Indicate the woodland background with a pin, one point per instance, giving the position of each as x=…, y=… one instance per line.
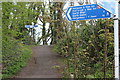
x=88, y=46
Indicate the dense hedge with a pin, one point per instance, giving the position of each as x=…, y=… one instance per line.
x=84, y=48
x=14, y=56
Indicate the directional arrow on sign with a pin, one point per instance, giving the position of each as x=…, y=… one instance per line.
x=85, y=12
x=68, y=14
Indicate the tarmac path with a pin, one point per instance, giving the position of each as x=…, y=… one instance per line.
x=42, y=64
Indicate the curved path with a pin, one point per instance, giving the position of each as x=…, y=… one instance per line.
x=43, y=64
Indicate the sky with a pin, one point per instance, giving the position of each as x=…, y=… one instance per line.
x=39, y=28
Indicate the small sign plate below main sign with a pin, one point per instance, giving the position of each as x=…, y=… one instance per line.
x=86, y=12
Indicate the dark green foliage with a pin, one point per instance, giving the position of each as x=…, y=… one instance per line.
x=84, y=46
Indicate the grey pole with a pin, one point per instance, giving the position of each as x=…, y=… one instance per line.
x=116, y=43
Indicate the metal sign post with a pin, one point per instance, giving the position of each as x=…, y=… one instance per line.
x=116, y=43
x=112, y=6
x=119, y=10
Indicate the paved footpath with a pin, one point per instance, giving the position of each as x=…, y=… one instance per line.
x=42, y=64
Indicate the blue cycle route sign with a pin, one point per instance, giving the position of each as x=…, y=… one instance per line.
x=86, y=12
x=27, y=26
x=30, y=26
x=108, y=5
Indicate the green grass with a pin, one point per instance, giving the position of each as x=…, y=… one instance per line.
x=15, y=63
